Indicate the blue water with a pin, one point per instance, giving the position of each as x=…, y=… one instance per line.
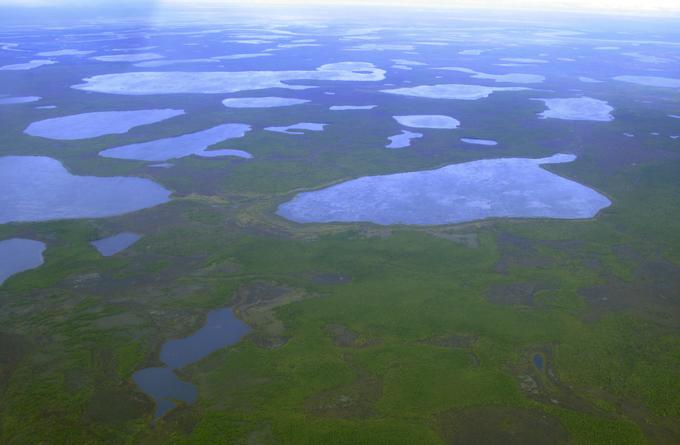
x=468, y=191
x=538, y=361
x=221, y=329
x=165, y=388
x=116, y=243
x=18, y=255
x=38, y=188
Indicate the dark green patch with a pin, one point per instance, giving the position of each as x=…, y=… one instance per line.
x=499, y=425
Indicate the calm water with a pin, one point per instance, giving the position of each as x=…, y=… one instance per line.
x=179, y=146
x=403, y=140
x=91, y=125
x=506, y=187
x=116, y=243
x=18, y=255
x=221, y=329
x=38, y=188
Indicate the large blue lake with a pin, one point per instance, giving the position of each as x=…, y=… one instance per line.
x=38, y=188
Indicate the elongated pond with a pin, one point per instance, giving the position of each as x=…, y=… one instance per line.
x=90, y=125
x=221, y=329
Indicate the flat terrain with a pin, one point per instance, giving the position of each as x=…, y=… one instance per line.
x=498, y=330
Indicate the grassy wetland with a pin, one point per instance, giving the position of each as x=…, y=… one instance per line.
x=500, y=330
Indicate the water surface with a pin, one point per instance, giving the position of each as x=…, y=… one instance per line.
x=18, y=100
x=38, y=188
x=538, y=361
x=297, y=128
x=18, y=255
x=505, y=187
x=166, y=82
x=33, y=64
x=90, y=125
x=221, y=329
x=116, y=243
x=577, y=109
x=450, y=91
x=262, y=102
x=403, y=140
x=351, y=107
x=180, y=146
x=428, y=121
x=476, y=141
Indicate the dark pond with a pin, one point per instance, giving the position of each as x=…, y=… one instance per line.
x=538, y=361
x=221, y=329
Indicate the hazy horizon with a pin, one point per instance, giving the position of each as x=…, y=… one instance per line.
x=634, y=7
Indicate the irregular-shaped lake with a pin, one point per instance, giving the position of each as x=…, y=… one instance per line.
x=506, y=187
x=221, y=329
x=451, y=91
x=351, y=107
x=18, y=255
x=262, y=102
x=502, y=78
x=64, y=52
x=578, y=109
x=523, y=60
x=19, y=100
x=33, y=64
x=297, y=128
x=174, y=82
x=475, y=141
x=651, y=81
x=37, y=188
x=403, y=140
x=428, y=121
x=181, y=146
x=139, y=57
x=116, y=243
x=90, y=125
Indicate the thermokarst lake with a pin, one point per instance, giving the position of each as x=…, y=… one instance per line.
x=579, y=108
x=18, y=255
x=38, y=188
x=90, y=125
x=18, y=100
x=474, y=141
x=180, y=146
x=451, y=91
x=116, y=243
x=506, y=187
x=139, y=83
x=403, y=139
x=297, y=128
x=221, y=329
x=428, y=121
x=262, y=102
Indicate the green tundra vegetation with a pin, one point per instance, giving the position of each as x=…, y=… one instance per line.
x=497, y=331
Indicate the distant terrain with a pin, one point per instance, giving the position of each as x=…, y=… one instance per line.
x=307, y=228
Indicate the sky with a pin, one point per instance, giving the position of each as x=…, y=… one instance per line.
x=617, y=6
